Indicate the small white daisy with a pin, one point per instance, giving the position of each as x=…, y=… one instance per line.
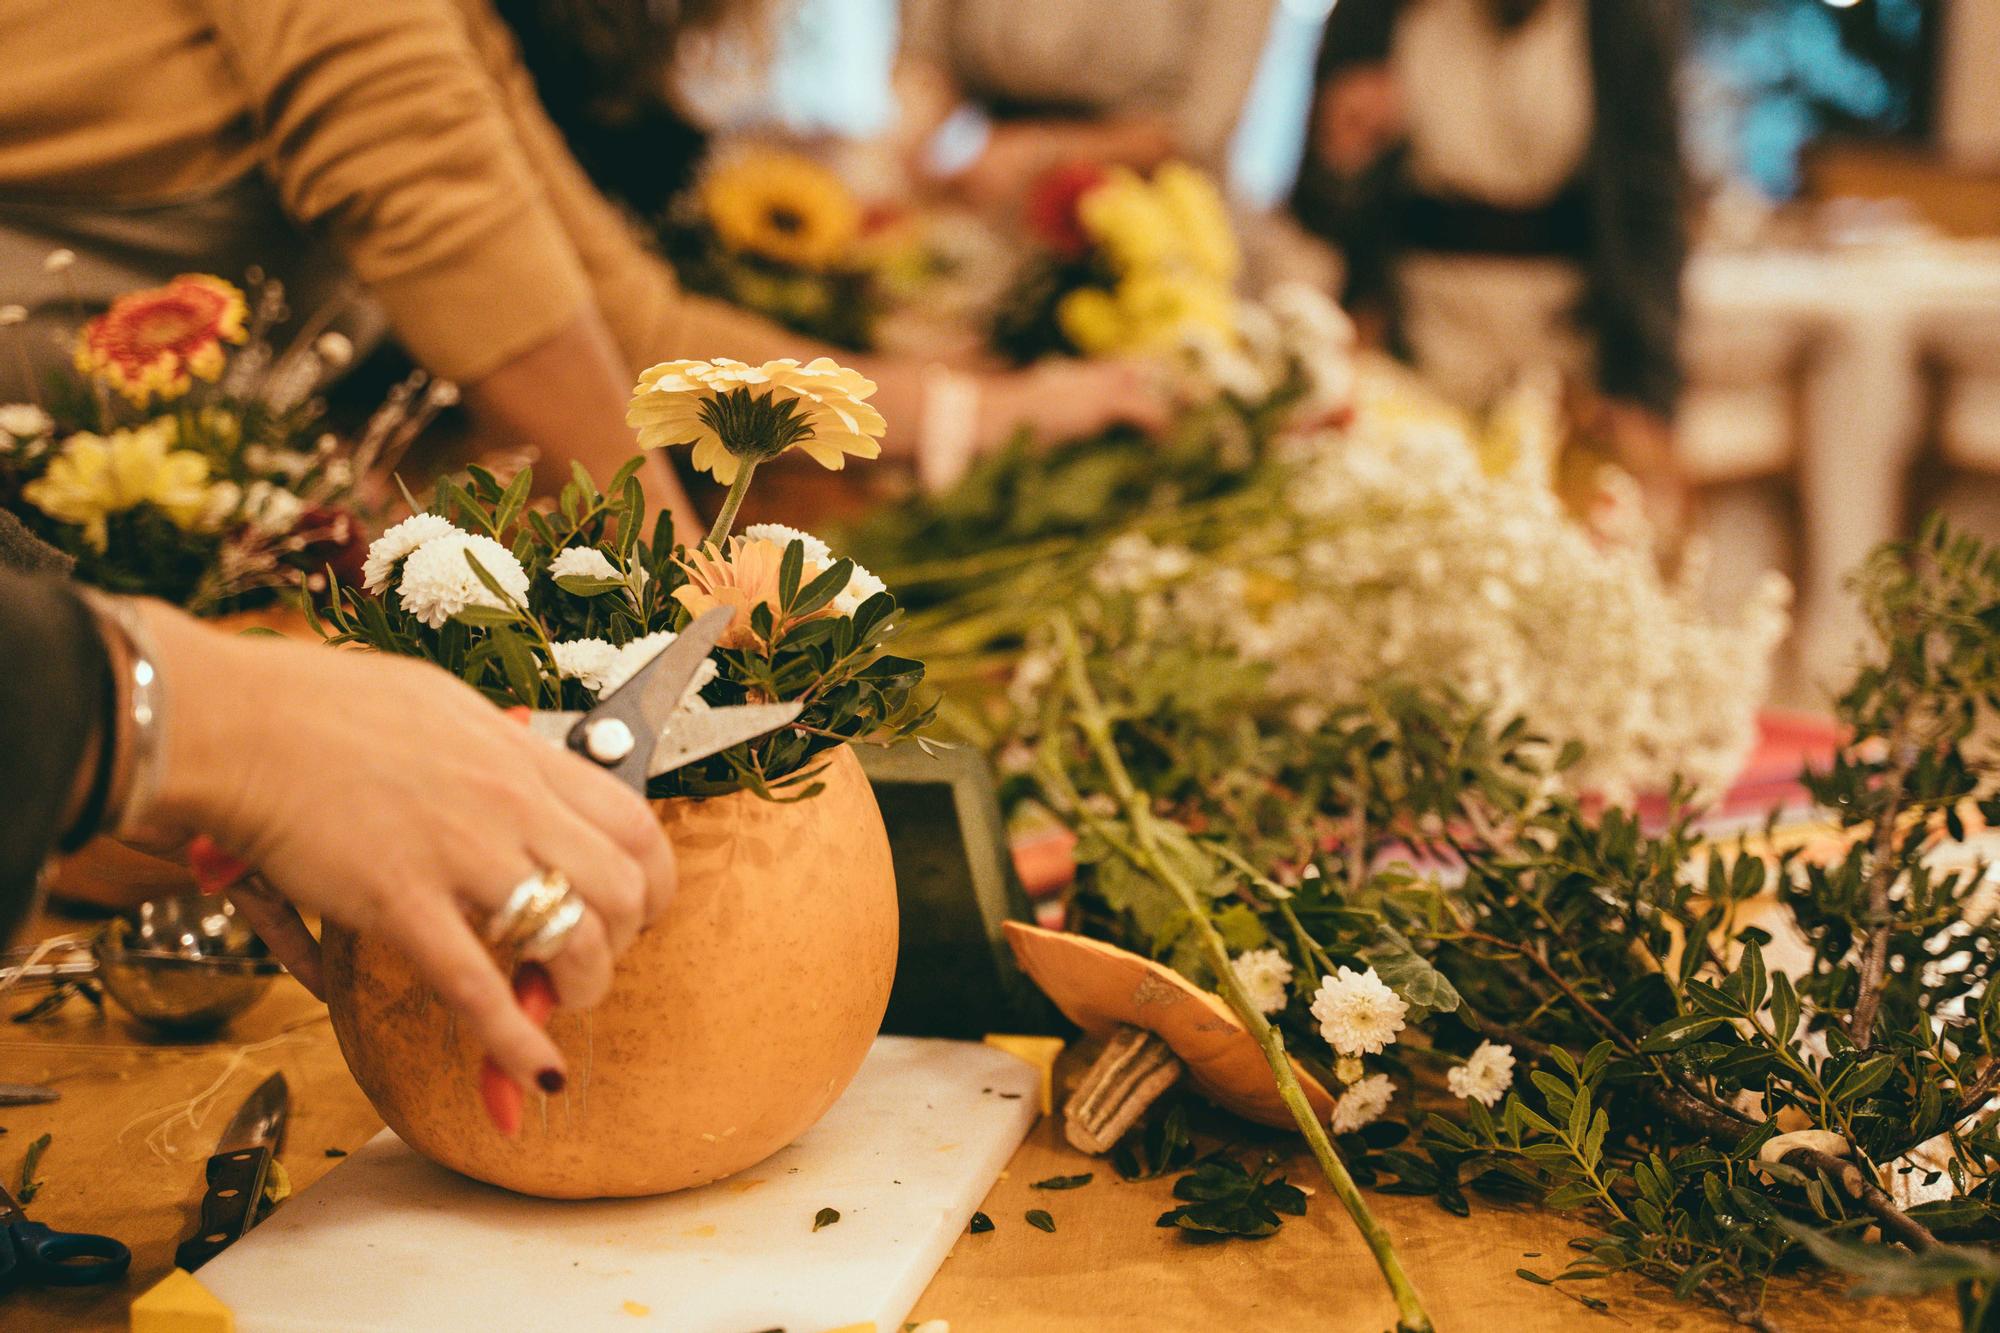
x=860, y=587
x=438, y=581
x=1264, y=975
x=582, y=562
x=397, y=542
x=1485, y=1076
x=585, y=661
x=816, y=552
x=1363, y=1103
x=24, y=421
x=1357, y=1013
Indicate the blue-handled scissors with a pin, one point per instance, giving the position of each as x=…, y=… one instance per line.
x=32, y=1255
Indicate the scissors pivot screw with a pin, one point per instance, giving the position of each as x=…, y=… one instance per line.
x=608, y=740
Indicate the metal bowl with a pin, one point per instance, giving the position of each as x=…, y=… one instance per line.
x=184, y=965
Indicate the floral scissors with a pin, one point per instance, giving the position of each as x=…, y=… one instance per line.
x=32, y=1255
x=640, y=730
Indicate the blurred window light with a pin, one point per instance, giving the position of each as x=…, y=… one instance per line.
x=1271, y=136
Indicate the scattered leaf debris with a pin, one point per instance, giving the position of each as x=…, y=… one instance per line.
x=336, y=1152
x=30, y=1184
x=1040, y=1219
x=1064, y=1182
x=981, y=1224
x=825, y=1217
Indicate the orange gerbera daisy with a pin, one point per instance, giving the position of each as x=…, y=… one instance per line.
x=160, y=341
x=744, y=578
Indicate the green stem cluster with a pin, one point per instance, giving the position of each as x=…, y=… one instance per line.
x=1096, y=728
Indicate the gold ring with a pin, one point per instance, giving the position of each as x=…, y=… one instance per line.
x=547, y=942
x=528, y=908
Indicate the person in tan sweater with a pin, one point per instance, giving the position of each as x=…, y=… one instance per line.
x=400, y=142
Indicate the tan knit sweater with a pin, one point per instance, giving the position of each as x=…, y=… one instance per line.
x=406, y=132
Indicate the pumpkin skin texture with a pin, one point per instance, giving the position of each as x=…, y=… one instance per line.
x=733, y=1024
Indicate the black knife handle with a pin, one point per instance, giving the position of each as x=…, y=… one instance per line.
x=235, y=1187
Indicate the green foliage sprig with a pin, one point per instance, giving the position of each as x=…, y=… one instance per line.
x=799, y=647
x=1675, y=1005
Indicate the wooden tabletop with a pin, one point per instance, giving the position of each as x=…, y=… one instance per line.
x=130, y=1134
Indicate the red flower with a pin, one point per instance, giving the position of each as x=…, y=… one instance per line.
x=160, y=340
x=1051, y=207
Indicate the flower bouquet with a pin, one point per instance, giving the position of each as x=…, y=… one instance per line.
x=752, y=1003
x=1127, y=265
x=776, y=232
x=186, y=459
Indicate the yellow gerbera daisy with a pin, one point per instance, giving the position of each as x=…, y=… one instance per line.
x=822, y=402
x=783, y=207
x=96, y=476
x=160, y=340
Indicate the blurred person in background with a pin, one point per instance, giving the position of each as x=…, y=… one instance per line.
x=994, y=93
x=1505, y=181
x=402, y=142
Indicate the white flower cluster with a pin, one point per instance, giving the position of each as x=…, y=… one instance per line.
x=437, y=580
x=1401, y=558
x=1362, y=1103
x=1295, y=332
x=25, y=427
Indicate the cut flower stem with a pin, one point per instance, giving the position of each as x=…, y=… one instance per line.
x=1148, y=857
x=732, y=502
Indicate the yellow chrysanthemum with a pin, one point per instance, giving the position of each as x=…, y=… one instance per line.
x=783, y=207
x=682, y=402
x=160, y=340
x=1201, y=220
x=1130, y=221
x=1151, y=311
x=96, y=476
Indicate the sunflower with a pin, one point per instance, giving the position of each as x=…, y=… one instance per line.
x=160, y=341
x=782, y=207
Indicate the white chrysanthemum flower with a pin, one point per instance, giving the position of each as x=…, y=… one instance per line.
x=1358, y=1014
x=1363, y=1103
x=219, y=507
x=860, y=587
x=584, y=661
x=582, y=562
x=1263, y=974
x=24, y=421
x=385, y=551
x=438, y=581
x=1485, y=1076
x=816, y=552
x=628, y=659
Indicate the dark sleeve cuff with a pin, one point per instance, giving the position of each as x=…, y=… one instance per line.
x=53, y=695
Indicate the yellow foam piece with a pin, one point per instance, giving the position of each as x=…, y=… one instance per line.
x=1041, y=1052
x=178, y=1303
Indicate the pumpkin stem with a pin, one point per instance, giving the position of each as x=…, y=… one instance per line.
x=1132, y=1073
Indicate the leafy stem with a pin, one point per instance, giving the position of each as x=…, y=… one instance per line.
x=1096, y=728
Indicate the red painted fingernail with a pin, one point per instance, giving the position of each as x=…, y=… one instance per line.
x=550, y=1080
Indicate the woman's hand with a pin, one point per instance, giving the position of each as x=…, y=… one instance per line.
x=390, y=797
x=1357, y=116
x=1063, y=399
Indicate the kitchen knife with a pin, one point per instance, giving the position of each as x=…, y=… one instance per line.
x=236, y=1173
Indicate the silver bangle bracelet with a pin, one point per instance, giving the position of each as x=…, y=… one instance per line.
x=142, y=696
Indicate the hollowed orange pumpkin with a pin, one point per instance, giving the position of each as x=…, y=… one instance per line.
x=736, y=1020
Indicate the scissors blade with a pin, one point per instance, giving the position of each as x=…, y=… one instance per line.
x=662, y=683
x=691, y=736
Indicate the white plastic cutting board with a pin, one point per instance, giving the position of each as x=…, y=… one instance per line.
x=389, y=1241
